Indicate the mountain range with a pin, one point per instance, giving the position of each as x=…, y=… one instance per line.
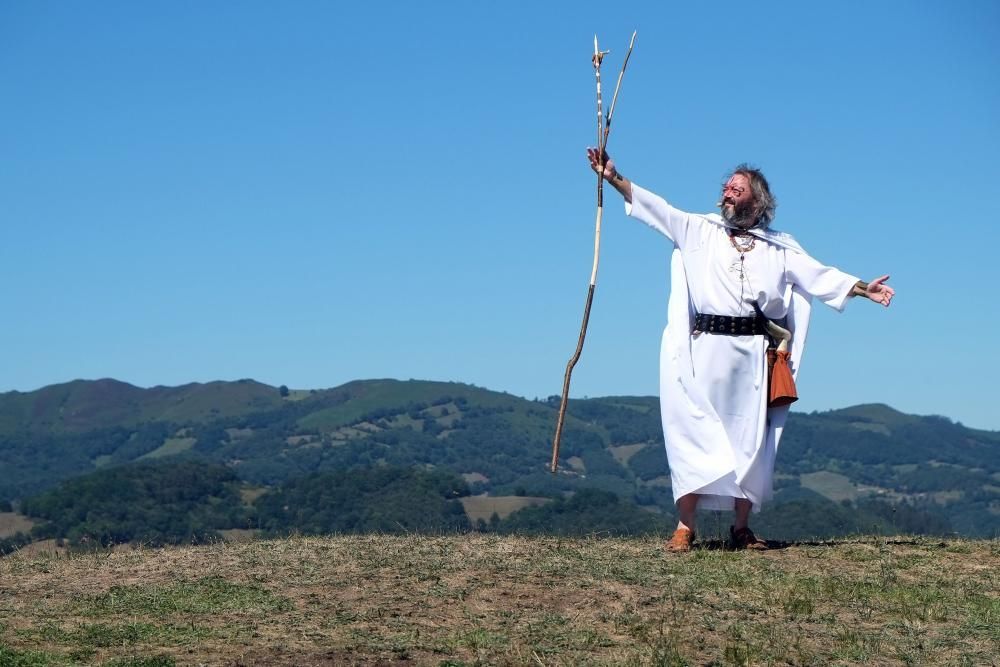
x=837, y=471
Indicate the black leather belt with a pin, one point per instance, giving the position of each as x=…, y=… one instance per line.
x=729, y=326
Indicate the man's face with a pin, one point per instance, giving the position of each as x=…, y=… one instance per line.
x=737, y=202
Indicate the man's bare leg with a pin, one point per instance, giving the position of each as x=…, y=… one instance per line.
x=686, y=506
x=683, y=537
x=743, y=507
x=741, y=537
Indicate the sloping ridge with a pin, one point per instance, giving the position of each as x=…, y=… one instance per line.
x=83, y=405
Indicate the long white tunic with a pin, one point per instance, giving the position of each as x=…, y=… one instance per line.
x=721, y=438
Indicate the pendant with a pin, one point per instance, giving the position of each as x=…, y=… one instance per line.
x=738, y=268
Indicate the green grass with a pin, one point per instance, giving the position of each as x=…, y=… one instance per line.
x=207, y=595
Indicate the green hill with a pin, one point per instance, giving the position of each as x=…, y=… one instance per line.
x=859, y=469
x=81, y=405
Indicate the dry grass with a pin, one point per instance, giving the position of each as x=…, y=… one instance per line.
x=479, y=599
x=12, y=523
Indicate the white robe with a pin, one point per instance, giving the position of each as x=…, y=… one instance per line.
x=721, y=438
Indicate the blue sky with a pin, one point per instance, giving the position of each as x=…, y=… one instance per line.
x=313, y=192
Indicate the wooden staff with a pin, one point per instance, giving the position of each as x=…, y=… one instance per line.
x=603, y=130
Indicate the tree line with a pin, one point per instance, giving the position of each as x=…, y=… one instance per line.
x=183, y=502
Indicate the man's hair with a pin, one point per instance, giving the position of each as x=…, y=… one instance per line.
x=762, y=197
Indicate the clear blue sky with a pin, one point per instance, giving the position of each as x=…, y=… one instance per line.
x=313, y=192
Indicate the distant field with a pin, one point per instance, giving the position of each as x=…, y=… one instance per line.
x=249, y=494
x=170, y=446
x=12, y=523
x=404, y=420
x=446, y=420
x=348, y=433
x=623, y=453
x=483, y=507
x=834, y=486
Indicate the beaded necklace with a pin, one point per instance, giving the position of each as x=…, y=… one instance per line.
x=742, y=246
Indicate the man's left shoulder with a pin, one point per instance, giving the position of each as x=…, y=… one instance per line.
x=783, y=239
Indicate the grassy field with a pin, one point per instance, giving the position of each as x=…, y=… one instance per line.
x=623, y=453
x=12, y=522
x=483, y=507
x=170, y=447
x=832, y=485
x=479, y=599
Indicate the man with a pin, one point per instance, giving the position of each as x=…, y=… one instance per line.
x=729, y=273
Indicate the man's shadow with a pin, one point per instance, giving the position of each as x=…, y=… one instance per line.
x=719, y=544
x=724, y=545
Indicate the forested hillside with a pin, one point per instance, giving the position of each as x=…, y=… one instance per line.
x=247, y=450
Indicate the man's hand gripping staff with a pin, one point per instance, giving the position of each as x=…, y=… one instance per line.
x=603, y=130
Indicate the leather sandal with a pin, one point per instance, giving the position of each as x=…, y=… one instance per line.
x=745, y=539
x=681, y=540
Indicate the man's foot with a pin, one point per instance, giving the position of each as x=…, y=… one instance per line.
x=745, y=539
x=681, y=541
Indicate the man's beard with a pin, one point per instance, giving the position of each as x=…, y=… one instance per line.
x=743, y=215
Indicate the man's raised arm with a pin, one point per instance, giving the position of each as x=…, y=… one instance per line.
x=611, y=175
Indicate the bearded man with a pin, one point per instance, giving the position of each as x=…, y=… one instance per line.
x=729, y=275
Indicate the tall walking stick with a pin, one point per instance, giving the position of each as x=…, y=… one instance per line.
x=603, y=129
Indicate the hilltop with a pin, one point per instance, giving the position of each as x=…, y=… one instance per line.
x=474, y=599
x=87, y=405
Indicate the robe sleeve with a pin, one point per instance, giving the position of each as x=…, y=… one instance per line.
x=658, y=214
x=829, y=285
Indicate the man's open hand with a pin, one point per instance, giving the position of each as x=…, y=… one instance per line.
x=879, y=292
x=609, y=164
